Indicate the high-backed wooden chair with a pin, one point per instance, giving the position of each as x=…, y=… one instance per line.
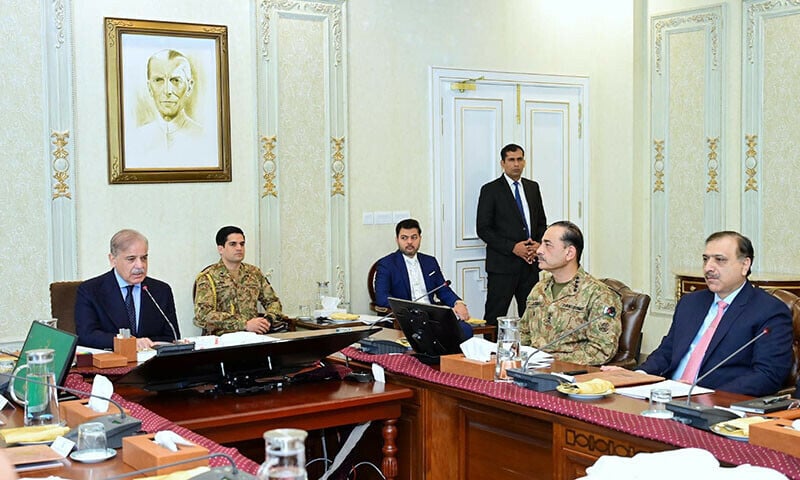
x=634, y=311
x=62, y=304
x=373, y=270
x=793, y=302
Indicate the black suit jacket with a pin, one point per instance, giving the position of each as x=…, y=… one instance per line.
x=100, y=312
x=500, y=224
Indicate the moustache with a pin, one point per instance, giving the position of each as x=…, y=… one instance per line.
x=137, y=271
x=710, y=276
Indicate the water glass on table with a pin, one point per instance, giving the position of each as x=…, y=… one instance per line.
x=659, y=397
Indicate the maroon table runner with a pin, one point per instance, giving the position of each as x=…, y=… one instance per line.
x=152, y=422
x=665, y=431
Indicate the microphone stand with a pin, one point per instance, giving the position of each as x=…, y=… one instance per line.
x=702, y=416
x=542, y=382
x=116, y=426
x=216, y=473
x=168, y=348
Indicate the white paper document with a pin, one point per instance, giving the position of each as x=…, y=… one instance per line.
x=678, y=389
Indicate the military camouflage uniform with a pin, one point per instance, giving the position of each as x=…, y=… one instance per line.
x=222, y=304
x=584, y=298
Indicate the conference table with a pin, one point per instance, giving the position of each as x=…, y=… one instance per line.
x=442, y=426
x=467, y=428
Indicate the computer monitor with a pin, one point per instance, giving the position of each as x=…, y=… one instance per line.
x=221, y=366
x=43, y=336
x=431, y=330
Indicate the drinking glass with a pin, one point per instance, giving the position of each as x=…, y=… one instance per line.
x=659, y=397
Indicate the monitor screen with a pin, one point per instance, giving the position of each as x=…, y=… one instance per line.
x=432, y=330
x=213, y=366
x=43, y=336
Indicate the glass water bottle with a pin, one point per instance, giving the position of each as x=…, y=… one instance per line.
x=285, y=457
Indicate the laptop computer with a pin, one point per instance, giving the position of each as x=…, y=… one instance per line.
x=43, y=336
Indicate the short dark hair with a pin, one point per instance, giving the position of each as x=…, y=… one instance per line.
x=744, y=247
x=511, y=147
x=572, y=236
x=222, y=234
x=408, y=224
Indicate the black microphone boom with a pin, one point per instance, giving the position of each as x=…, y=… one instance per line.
x=217, y=473
x=542, y=382
x=702, y=416
x=116, y=426
x=175, y=347
x=430, y=292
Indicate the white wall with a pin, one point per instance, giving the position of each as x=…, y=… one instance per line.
x=391, y=46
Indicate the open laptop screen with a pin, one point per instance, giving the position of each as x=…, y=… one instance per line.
x=42, y=336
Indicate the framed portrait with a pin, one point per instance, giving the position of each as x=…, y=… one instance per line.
x=168, y=102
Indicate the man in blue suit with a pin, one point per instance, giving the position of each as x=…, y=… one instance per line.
x=408, y=274
x=125, y=298
x=711, y=324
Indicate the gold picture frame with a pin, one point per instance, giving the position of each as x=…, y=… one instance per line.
x=168, y=102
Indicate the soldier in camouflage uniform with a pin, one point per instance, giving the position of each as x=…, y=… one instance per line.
x=567, y=297
x=227, y=293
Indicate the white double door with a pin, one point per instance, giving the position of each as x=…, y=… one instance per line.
x=543, y=114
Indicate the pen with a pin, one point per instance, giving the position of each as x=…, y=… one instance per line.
x=770, y=400
x=575, y=372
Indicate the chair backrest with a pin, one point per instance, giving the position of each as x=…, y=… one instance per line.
x=793, y=302
x=373, y=270
x=634, y=311
x=62, y=304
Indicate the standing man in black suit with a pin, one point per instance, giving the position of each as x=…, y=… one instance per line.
x=511, y=221
x=116, y=299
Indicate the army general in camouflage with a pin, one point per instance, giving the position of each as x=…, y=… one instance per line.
x=567, y=297
x=227, y=293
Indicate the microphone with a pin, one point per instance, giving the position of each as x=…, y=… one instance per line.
x=429, y=292
x=216, y=473
x=543, y=382
x=117, y=426
x=701, y=416
x=175, y=347
x=558, y=339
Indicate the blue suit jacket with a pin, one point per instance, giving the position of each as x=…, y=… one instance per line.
x=759, y=369
x=100, y=312
x=391, y=280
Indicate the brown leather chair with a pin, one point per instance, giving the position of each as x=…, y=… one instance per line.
x=634, y=311
x=373, y=270
x=62, y=304
x=793, y=302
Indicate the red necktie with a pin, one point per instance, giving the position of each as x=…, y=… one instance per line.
x=699, y=352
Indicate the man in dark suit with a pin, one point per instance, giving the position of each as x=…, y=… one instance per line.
x=408, y=274
x=711, y=324
x=116, y=300
x=511, y=221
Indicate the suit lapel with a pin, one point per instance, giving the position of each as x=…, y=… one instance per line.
x=730, y=317
x=511, y=201
x=112, y=301
x=400, y=265
x=683, y=342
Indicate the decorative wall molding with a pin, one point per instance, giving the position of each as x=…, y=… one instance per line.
x=272, y=17
x=756, y=198
x=59, y=107
x=710, y=22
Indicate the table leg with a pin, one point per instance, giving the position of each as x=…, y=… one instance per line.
x=389, y=465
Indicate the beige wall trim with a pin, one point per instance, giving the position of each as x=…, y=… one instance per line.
x=684, y=142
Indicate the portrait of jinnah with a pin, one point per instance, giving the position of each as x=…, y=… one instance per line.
x=165, y=134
